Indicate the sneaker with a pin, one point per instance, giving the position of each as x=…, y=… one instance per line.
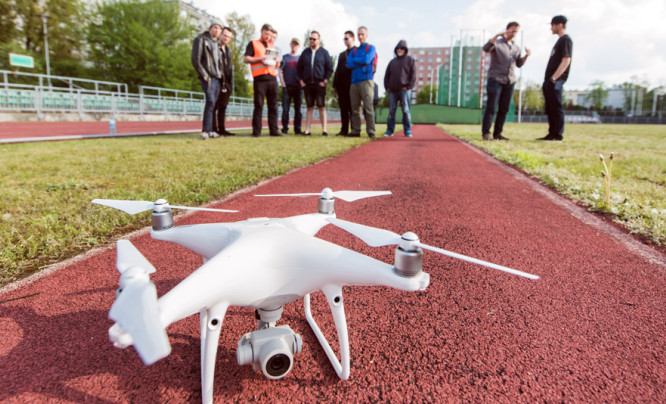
x=213, y=135
x=486, y=136
x=387, y=133
x=227, y=133
x=408, y=133
x=204, y=135
x=285, y=131
x=371, y=135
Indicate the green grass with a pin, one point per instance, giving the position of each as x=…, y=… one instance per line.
x=573, y=168
x=46, y=188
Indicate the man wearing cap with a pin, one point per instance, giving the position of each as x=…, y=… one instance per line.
x=504, y=56
x=264, y=73
x=315, y=67
x=342, y=84
x=207, y=61
x=362, y=61
x=291, y=88
x=557, y=72
x=227, y=83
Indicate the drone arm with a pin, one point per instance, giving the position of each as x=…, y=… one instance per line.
x=211, y=324
x=333, y=294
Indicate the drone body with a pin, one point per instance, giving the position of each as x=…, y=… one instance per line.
x=260, y=263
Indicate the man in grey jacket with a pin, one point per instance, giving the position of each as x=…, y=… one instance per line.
x=504, y=55
x=399, y=80
x=207, y=61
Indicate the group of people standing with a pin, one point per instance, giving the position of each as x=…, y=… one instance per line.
x=504, y=56
x=307, y=73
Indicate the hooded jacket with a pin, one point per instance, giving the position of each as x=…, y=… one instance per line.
x=401, y=71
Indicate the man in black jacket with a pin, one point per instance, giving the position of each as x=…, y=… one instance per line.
x=314, y=69
x=227, y=82
x=399, y=80
x=206, y=59
x=342, y=83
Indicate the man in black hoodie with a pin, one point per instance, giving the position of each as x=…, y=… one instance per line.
x=399, y=80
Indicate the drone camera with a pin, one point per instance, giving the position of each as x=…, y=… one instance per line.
x=270, y=349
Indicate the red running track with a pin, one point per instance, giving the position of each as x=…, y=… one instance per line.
x=36, y=131
x=592, y=329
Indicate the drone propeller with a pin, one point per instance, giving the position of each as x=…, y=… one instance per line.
x=134, y=207
x=348, y=196
x=135, y=308
x=375, y=237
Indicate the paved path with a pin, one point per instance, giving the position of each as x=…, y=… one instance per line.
x=591, y=330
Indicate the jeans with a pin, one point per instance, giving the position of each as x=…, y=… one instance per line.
x=362, y=93
x=501, y=94
x=404, y=97
x=552, y=94
x=289, y=94
x=221, y=107
x=211, y=89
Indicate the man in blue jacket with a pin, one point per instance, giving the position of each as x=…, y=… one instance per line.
x=362, y=60
x=314, y=69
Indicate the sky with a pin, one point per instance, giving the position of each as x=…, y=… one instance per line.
x=613, y=40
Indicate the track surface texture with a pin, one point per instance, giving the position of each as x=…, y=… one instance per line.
x=592, y=329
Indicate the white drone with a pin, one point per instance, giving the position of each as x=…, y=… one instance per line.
x=260, y=263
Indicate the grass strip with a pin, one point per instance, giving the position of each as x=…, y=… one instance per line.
x=573, y=167
x=46, y=188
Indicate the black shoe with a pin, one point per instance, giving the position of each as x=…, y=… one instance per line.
x=550, y=138
x=500, y=137
x=298, y=132
x=256, y=134
x=343, y=134
x=277, y=134
x=324, y=134
x=307, y=134
x=354, y=135
x=285, y=131
x=227, y=133
x=371, y=135
x=486, y=136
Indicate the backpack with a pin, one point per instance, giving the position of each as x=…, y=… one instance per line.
x=374, y=62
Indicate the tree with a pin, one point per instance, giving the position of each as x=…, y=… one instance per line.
x=532, y=97
x=597, y=95
x=423, y=96
x=143, y=43
x=7, y=21
x=243, y=32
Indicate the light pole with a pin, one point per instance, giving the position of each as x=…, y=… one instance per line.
x=46, y=48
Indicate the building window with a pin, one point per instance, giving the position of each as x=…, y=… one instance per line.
x=421, y=52
x=430, y=52
x=439, y=51
x=439, y=60
x=421, y=67
x=420, y=83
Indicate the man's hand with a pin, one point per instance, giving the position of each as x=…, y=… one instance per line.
x=302, y=83
x=322, y=84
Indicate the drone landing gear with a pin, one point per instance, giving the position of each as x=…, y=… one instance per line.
x=211, y=324
x=333, y=294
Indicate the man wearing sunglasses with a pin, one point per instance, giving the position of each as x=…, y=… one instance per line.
x=362, y=60
x=314, y=70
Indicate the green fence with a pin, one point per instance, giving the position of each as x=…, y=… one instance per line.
x=431, y=114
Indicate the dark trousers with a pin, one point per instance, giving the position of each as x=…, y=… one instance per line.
x=552, y=95
x=221, y=106
x=269, y=90
x=292, y=93
x=499, y=97
x=345, y=109
x=211, y=89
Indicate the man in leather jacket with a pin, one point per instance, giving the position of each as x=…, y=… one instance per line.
x=207, y=61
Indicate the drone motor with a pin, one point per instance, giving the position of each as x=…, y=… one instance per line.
x=162, y=216
x=408, y=256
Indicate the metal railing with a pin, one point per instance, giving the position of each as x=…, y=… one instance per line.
x=74, y=98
